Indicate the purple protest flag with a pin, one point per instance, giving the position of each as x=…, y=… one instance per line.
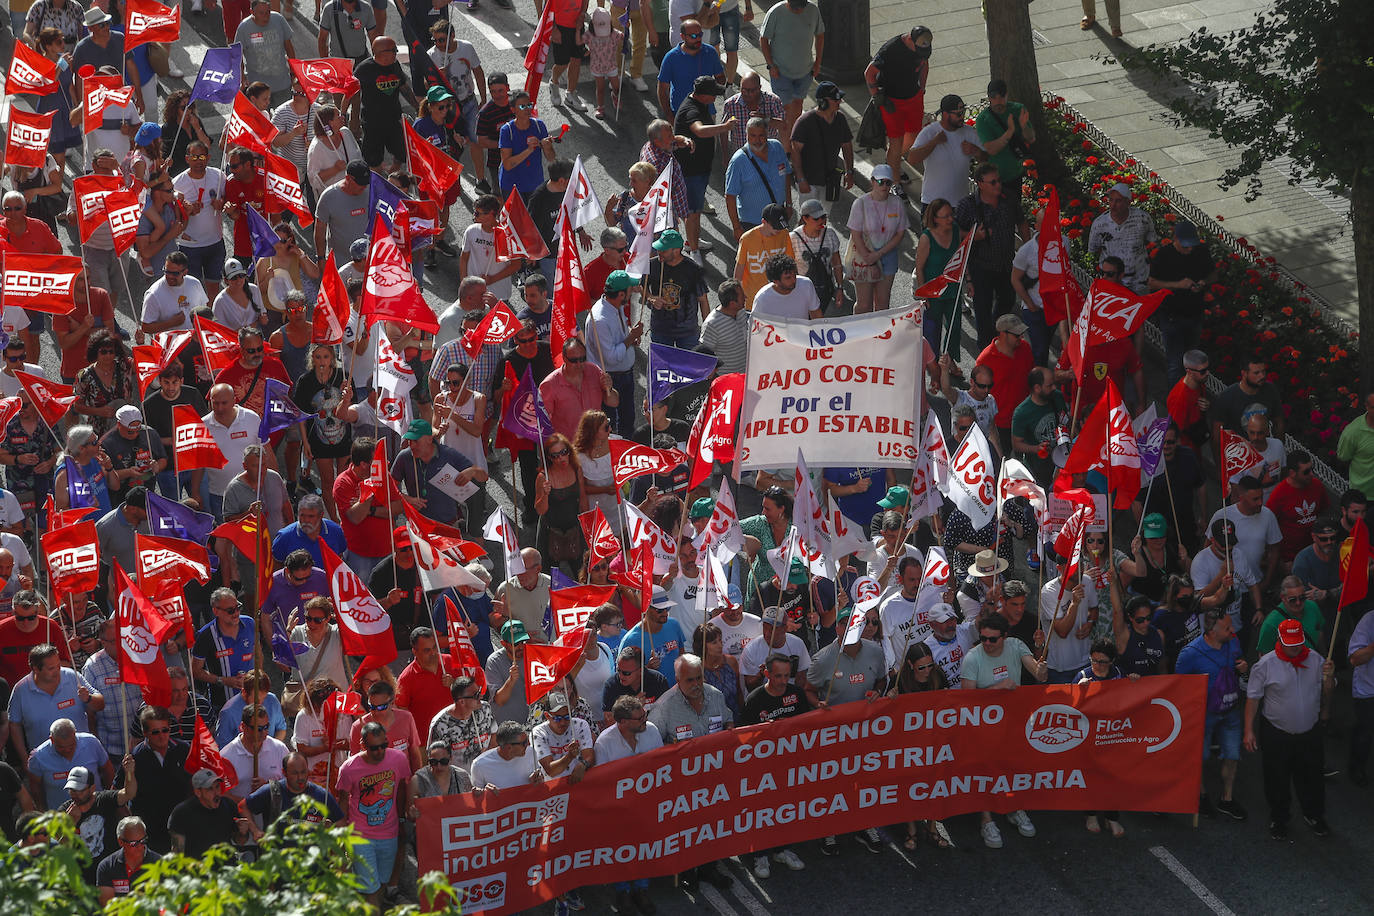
x=221, y=73
x=79, y=495
x=1151, y=446
x=283, y=649
x=261, y=232
x=279, y=411
x=169, y=518
x=671, y=369
x=383, y=198
x=558, y=579
x=526, y=417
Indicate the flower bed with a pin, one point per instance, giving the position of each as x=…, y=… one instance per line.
x=1251, y=311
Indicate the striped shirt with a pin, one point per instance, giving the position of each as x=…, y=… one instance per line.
x=111, y=723
x=728, y=338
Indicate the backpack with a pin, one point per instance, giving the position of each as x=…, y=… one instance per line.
x=818, y=268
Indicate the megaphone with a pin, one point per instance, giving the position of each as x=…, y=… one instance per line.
x=1062, y=446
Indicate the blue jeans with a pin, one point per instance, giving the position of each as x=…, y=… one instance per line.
x=791, y=89
x=1038, y=333
x=373, y=861
x=728, y=30
x=685, y=337
x=623, y=417
x=1227, y=728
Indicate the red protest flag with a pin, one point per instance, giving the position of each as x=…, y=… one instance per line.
x=1070, y=537
x=445, y=537
x=953, y=272
x=331, y=306
x=325, y=74
x=436, y=171
x=601, y=540
x=713, y=432
x=380, y=486
x=63, y=518
x=250, y=535
x=165, y=557
x=498, y=326
x=27, y=142
x=569, y=294
x=1052, y=258
x=205, y=755
x=30, y=73
x=364, y=628
x=537, y=56
x=547, y=665
x=141, y=632
x=1107, y=444
x=100, y=91
x=247, y=126
x=146, y=20
x=1111, y=312
x=630, y=460
x=389, y=291
x=147, y=365
x=572, y=606
x=73, y=557
x=218, y=344
x=172, y=343
x=41, y=282
x=1237, y=457
x=462, y=660
x=9, y=409
x=104, y=199
x=284, y=186
x=52, y=400
x=417, y=219
x=516, y=234
x=1355, y=556
x=193, y=445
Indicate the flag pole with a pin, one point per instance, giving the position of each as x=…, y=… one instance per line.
x=1148, y=491
x=958, y=295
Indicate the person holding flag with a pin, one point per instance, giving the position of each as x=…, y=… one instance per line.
x=80, y=479
x=612, y=344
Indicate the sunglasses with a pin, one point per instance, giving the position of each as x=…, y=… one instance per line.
x=158, y=731
x=563, y=718
x=141, y=841
x=313, y=619
x=926, y=667
x=471, y=696
x=252, y=352
x=196, y=157
x=15, y=359
x=375, y=747
x=989, y=639
x=882, y=181
x=575, y=360
x=561, y=453
x=691, y=34
x=26, y=618
x=438, y=761
x=620, y=671
x=527, y=340
x=174, y=273
x=260, y=728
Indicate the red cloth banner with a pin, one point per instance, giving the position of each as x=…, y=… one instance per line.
x=547, y=665
x=192, y=444
x=499, y=326
x=516, y=234
x=713, y=433
x=101, y=91
x=141, y=632
x=601, y=540
x=325, y=74
x=147, y=20
x=1117, y=744
x=30, y=73
x=218, y=344
x=436, y=171
x=27, y=142
x=284, y=186
x=331, y=306
x=163, y=557
x=572, y=606
x=42, y=282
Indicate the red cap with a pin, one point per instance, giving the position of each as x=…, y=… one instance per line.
x=1290, y=633
x=400, y=538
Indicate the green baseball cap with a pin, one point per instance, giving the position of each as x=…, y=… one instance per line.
x=670, y=238
x=896, y=498
x=619, y=280
x=513, y=632
x=842, y=618
x=1154, y=526
x=702, y=508
x=437, y=94
x=797, y=574
x=417, y=429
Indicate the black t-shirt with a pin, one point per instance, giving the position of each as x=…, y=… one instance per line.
x=899, y=69
x=762, y=706
x=821, y=142
x=1024, y=629
x=1229, y=406
x=490, y=117
x=543, y=204
x=97, y=827
x=1171, y=264
x=682, y=285
x=696, y=161
x=1142, y=653
x=204, y=827
x=540, y=365
x=542, y=322
x=1185, y=475
x=162, y=785
x=1178, y=629
x=795, y=602
x=157, y=410
x=406, y=612
x=655, y=686
x=380, y=88
x=9, y=797
x=113, y=872
x=142, y=451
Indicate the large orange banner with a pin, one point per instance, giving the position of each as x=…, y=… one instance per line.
x=1132, y=745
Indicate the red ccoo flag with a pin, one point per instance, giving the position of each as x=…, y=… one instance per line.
x=175, y=558
x=193, y=446
x=546, y=665
x=218, y=345
x=102, y=91
x=325, y=74
x=205, y=756
x=27, y=142
x=52, y=400
x=538, y=54
x=247, y=127
x=73, y=556
x=147, y=20
x=284, y=186
x=953, y=272
x=41, y=282
x=572, y=606
x=31, y=73
x=141, y=632
x=569, y=294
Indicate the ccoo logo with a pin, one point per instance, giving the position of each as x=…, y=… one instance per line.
x=1055, y=728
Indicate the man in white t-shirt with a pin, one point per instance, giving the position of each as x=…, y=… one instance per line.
x=169, y=302
x=1211, y=567
x=479, y=249
x=14, y=359
x=945, y=146
x=563, y=744
x=786, y=295
x=904, y=624
x=253, y=741
x=977, y=398
x=737, y=628
x=233, y=428
x=776, y=639
x=509, y=763
x=1257, y=528
x=203, y=239
x=950, y=641
x=1068, y=625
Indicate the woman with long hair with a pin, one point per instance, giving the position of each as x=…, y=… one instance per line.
x=920, y=673
x=720, y=669
x=559, y=498
x=181, y=126
x=592, y=443
x=939, y=239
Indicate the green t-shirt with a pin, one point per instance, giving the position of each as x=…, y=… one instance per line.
x=990, y=125
x=1313, y=622
x=985, y=671
x=792, y=38
x=1035, y=423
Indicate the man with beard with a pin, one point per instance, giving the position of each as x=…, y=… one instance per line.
x=786, y=295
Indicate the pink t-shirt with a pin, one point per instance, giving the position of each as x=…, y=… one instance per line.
x=372, y=790
x=401, y=734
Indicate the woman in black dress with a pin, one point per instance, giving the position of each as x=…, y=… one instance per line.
x=328, y=439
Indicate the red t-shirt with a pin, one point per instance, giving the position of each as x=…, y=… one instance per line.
x=253, y=193
x=1183, y=409
x=1116, y=359
x=239, y=378
x=1009, y=374
x=594, y=277
x=424, y=694
x=369, y=538
x=15, y=646
x=568, y=13
x=98, y=304
x=37, y=238
x=1296, y=508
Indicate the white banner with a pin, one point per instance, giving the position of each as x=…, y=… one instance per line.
x=847, y=390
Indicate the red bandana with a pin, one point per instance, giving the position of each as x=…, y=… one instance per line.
x=1297, y=660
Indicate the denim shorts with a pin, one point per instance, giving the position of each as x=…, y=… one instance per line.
x=696, y=191
x=206, y=263
x=789, y=89
x=728, y=30
x=1226, y=726
x=373, y=861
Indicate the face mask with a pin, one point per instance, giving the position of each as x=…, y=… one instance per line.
x=922, y=52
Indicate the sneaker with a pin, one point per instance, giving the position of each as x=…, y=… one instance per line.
x=175, y=72
x=624, y=904
x=709, y=209
x=643, y=901
x=1205, y=806
x=561, y=908
x=1278, y=831
x=789, y=858
x=992, y=837
x=445, y=248
x=574, y=901
x=1032, y=561
x=1319, y=825
x=483, y=186
x=639, y=84
x=555, y=94
x=705, y=244
x=431, y=259
x=575, y=103
x=830, y=846
x=761, y=868
x=1022, y=822
x=870, y=839
x=712, y=874
x=1232, y=808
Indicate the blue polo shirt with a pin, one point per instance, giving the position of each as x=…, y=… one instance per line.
x=859, y=506
x=290, y=538
x=232, y=715
x=669, y=642
x=742, y=180
x=224, y=656
x=36, y=710
x=52, y=768
x=680, y=70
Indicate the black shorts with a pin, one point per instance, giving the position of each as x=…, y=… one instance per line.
x=377, y=140
x=567, y=47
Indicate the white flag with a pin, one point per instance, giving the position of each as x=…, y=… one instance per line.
x=781, y=557
x=925, y=499
x=808, y=514
x=500, y=528
x=642, y=248
x=395, y=380
x=937, y=453
x=971, y=485
x=934, y=580
x=641, y=529
x=661, y=196
x=580, y=203
x=439, y=568
x=847, y=536
x=1015, y=479
x=722, y=529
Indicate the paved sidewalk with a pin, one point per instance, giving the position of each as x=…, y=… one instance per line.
x=1307, y=231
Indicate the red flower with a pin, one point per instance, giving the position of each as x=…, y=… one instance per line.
x=1091, y=160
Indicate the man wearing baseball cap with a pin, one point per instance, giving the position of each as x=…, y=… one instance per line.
x=204, y=819
x=775, y=639
x=1125, y=232
x=421, y=462
x=946, y=145
x=1295, y=684
x=612, y=343
x=679, y=301
x=820, y=137
x=896, y=79
x=662, y=635
x=136, y=453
